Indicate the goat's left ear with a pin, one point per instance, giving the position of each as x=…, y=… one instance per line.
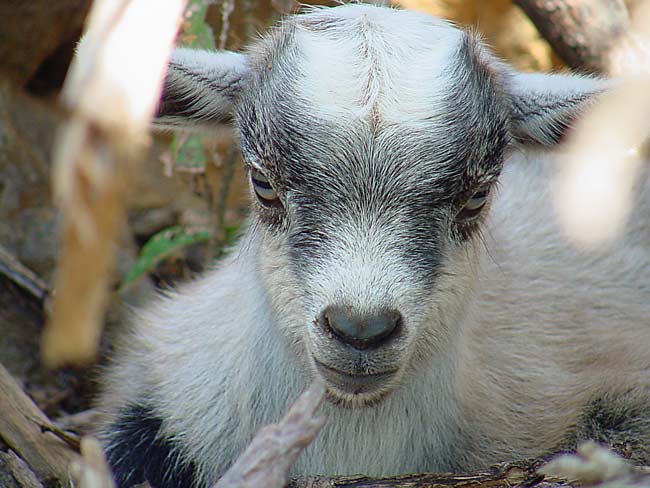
x=201, y=88
x=545, y=105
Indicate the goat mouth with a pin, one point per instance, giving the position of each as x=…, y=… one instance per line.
x=354, y=384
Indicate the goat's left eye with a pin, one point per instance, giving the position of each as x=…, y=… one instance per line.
x=474, y=205
x=266, y=195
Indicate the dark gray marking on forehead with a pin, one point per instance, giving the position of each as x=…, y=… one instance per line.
x=402, y=177
x=269, y=99
x=463, y=143
x=355, y=192
x=477, y=112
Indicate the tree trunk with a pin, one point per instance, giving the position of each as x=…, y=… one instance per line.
x=582, y=32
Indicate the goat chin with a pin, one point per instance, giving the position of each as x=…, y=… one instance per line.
x=453, y=324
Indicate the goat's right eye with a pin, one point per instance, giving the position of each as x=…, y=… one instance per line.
x=264, y=191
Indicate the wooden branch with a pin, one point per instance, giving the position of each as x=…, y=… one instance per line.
x=12, y=465
x=269, y=458
x=522, y=473
x=111, y=92
x=21, y=276
x=20, y=428
x=593, y=466
x=582, y=32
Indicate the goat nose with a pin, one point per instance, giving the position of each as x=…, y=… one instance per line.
x=361, y=331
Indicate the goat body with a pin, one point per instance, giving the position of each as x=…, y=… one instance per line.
x=453, y=325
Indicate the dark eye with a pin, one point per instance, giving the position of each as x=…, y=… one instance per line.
x=264, y=191
x=472, y=208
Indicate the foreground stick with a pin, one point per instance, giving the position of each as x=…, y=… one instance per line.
x=21, y=428
x=110, y=92
x=270, y=457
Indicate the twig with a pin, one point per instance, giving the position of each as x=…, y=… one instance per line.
x=80, y=422
x=69, y=438
x=268, y=459
x=111, y=92
x=92, y=471
x=227, y=8
x=20, y=428
x=593, y=465
x=22, y=276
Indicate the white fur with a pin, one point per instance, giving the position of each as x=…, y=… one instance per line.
x=547, y=328
x=519, y=334
x=192, y=72
x=376, y=66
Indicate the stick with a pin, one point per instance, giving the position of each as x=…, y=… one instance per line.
x=111, y=93
x=269, y=458
x=20, y=428
x=21, y=276
x=91, y=471
x=18, y=469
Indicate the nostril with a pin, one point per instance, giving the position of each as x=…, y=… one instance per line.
x=361, y=330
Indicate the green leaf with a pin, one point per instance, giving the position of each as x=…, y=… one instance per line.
x=160, y=246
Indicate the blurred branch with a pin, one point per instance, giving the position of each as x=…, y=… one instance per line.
x=91, y=471
x=226, y=184
x=17, y=469
x=606, y=153
x=593, y=465
x=111, y=91
x=582, y=32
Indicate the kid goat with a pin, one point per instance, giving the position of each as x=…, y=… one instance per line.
x=403, y=248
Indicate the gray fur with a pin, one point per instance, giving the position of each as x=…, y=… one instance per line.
x=510, y=335
x=190, y=72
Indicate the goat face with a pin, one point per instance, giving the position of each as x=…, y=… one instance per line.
x=370, y=174
x=374, y=138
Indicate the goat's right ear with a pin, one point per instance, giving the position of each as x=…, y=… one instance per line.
x=201, y=88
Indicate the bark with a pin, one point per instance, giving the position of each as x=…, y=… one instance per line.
x=22, y=429
x=14, y=472
x=268, y=459
x=582, y=32
x=506, y=475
